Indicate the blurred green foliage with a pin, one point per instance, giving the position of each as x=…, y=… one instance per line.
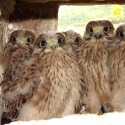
x=118, y=12
x=79, y=16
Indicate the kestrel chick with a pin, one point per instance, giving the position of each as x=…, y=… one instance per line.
x=92, y=57
x=116, y=63
x=59, y=91
x=16, y=56
x=73, y=38
x=17, y=50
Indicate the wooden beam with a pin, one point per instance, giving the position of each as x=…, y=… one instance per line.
x=81, y=2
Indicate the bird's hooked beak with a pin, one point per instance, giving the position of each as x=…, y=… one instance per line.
x=20, y=42
x=52, y=45
x=70, y=41
x=98, y=33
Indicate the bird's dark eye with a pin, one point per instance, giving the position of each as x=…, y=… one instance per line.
x=106, y=29
x=14, y=40
x=60, y=42
x=90, y=30
x=121, y=35
x=43, y=44
x=77, y=39
x=29, y=40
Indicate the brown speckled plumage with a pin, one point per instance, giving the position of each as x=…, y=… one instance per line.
x=116, y=63
x=59, y=91
x=16, y=56
x=92, y=57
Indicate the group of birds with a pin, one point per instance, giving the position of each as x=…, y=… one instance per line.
x=58, y=73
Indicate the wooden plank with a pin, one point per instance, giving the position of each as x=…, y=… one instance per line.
x=81, y=2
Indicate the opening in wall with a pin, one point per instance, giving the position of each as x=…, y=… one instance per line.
x=76, y=17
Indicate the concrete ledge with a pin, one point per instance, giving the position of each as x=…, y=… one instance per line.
x=85, y=119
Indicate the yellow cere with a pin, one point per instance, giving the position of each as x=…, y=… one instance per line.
x=21, y=41
x=70, y=39
x=52, y=43
x=98, y=30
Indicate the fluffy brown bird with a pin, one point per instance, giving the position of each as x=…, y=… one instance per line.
x=116, y=63
x=92, y=57
x=73, y=38
x=16, y=56
x=59, y=91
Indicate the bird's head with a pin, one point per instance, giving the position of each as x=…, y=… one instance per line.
x=50, y=42
x=101, y=29
x=21, y=38
x=120, y=34
x=73, y=38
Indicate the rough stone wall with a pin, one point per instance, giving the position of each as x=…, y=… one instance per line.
x=6, y=7
x=38, y=17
